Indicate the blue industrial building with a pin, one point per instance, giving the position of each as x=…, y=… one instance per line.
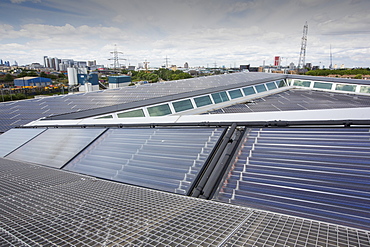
x=119, y=81
x=91, y=78
x=32, y=81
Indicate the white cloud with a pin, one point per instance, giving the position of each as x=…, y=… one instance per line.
x=352, y=23
x=199, y=32
x=22, y=1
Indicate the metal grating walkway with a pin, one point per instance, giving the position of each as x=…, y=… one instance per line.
x=50, y=207
x=269, y=229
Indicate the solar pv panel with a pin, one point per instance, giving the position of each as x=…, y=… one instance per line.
x=55, y=147
x=14, y=138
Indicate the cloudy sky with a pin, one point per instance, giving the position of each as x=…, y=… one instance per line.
x=200, y=32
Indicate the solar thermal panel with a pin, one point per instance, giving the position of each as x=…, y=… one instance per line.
x=165, y=159
x=321, y=174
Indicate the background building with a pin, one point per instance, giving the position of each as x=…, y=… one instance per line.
x=32, y=81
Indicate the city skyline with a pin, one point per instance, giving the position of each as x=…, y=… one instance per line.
x=227, y=33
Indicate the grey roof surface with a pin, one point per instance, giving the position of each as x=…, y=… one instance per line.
x=331, y=79
x=42, y=206
x=16, y=113
x=298, y=99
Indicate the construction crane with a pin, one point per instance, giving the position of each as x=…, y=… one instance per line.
x=302, y=55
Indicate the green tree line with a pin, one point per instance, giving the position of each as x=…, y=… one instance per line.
x=326, y=72
x=155, y=76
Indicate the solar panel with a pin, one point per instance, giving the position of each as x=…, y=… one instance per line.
x=55, y=147
x=51, y=106
x=298, y=99
x=165, y=159
x=321, y=174
x=14, y=138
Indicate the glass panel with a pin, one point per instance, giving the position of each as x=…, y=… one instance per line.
x=159, y=110
x=134, y=113
x=203, y=101
x=164, y=159
x=302, y=83
x=365, y=89
x=344, y=87
x=322, y=85
x=108, y=116
x=235, y=94
x=271, y=85
x=55, y=147
x=15, y=138
x=248, y=91
x=220, y=97
x=260, y=88
x=281, y=83
x=182, y=105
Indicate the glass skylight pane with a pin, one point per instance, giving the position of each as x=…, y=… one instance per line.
x=203, y=101
x=182, y=105
x=322, y=85
x=345, y=87
x=164, y=159
x=134, y=113
x=281, y=83
x=365, y=89
x=302, y=83
x=248, y=91
x=159, y=110
x=104, y=117
x=271, y=85
x=220, y=97
x=55, y=147
x=235, y=94
x=14, y=138
x=261, y=88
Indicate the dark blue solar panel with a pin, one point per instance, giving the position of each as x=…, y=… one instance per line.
x=322, y=174
x=83, y=101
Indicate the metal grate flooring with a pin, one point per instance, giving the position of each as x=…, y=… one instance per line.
x=66, y=209
x=269, y=229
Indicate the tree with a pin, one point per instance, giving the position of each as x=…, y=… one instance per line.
x=358, y=76
x=8, y=78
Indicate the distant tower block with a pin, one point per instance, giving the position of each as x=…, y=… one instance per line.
x=166, y=61
x=302, y=55
x=146, y=65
